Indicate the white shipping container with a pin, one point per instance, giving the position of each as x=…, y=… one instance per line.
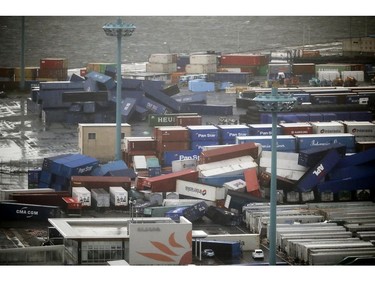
x=118, y=196
x=285, y=160
x=163, y=58
x=203, y=59
x=358, y=75
x=328, y=127
x=236, y=185
x=200, y=68
x=139, y=162
x=83, y=195
x=180, y=165
x=198, y=190
x=360, y=128
x=230, y=170
x=161, y=67
x=328, y=75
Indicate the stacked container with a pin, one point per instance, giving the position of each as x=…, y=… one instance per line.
x=162, y=63
x=245, y=62
x=171, y=138
x=203, y=135
x=202, y=63
x=228, y=133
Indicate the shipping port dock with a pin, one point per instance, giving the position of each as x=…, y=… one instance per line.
x=196, y=166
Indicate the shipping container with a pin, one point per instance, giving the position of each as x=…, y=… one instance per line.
x=222, y=249
x=317, y=173
x=199, y=191
x=171, y=134
x=53, y=198
x=284, y=143
x=311, y=156
x=71, y=206
x=167, y=182
x=169, y=156
x=7, y=193
x=21, y=211
x=83, y=196
x=307, y=141
x=263, y=129
x=327, y=127
x=118, y=196
x=243, y=60
x=100, y=198
x=91, y=182
x=228, y=152
x=296, y=128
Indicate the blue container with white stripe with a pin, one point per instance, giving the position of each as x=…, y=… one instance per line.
x=307, y=141
x=284, y=143
x=198, y=145
x=263, y=129
x=80, y=167
x=203, y=132
x=228, y=133
x=170, y=156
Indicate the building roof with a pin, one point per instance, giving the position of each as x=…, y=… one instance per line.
x=99, y=228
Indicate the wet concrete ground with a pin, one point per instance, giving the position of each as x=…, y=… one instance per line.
x=25, y=139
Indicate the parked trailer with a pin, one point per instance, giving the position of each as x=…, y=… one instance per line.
x=334, y=257
x=222, y=249
x=100, y=198
x=284, y=238
x=293, y=247
x=20, y=211
x=305, y=249
x=118, y=196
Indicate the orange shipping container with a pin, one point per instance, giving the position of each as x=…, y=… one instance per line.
x=251, y=179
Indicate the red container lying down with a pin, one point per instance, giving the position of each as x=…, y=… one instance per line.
x=167, y=182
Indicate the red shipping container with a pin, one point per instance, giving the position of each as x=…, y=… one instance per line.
x=188, y=120
x=228, y=152
x=173, y=145
x=171, y=133
x=72, y=203
x=141, y=145
x=105, y=182
x=251, y=179
x=53, y=63
x=296, y=128
x=167, y=182
x=46, y=198
x=243, y=60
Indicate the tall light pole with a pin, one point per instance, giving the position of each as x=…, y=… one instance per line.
x=274, y=103
x=118, y=29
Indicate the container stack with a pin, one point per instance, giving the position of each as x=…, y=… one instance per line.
x=171, y=138
x=228, y=133
x=201, y=63
x=255, y=64
x=162, y=63
x=203, y=135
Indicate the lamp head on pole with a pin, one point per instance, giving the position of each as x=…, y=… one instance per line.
x=119, y=29
x=275, y=102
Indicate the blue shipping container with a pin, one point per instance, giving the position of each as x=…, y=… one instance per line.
x=198, y=145
x=170, y=156
x=308, y=141
x=203, y=132
x=317, y=174
x=284, y=143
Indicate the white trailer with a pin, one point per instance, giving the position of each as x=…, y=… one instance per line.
x=118, y=196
